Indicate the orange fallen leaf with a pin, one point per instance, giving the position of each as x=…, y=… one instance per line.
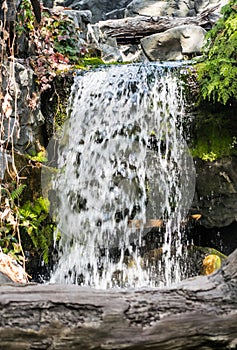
x=196, y=216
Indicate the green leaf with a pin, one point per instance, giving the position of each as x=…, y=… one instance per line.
x=217, y=76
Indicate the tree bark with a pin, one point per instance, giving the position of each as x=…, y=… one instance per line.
x=135, y=28
x=200, y=313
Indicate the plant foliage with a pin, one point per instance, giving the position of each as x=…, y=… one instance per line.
x=54, y=42
x=217, y=75
x=34, y=220
x=31, y=219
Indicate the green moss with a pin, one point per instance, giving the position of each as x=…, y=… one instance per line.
x=207, y=251
x=93, y=61
x=213, y=138
x=196, y=256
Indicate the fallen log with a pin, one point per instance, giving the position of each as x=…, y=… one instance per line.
x=200, y=313
x=132, y=28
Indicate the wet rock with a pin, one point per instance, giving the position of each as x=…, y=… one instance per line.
x=216, y=191
x=174, y=44
x=223, y=239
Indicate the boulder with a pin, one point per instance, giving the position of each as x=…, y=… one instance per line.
x=174, y=44
x=105, y=9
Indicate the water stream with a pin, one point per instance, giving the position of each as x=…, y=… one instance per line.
x=124, y=174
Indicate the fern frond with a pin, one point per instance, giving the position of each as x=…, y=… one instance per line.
x=15, y=194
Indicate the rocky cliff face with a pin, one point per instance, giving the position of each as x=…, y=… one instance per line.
x=105, y=9
x=26, y=121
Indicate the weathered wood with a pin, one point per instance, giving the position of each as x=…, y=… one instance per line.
x=200, y=313
x=130, y=28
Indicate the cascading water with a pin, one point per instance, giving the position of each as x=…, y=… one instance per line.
x=124, y=167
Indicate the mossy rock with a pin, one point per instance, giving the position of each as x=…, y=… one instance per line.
x=210, y=264
x=203, y=260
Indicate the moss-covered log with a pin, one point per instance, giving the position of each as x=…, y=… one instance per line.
x=199, y=314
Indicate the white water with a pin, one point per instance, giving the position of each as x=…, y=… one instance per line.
x=122, y=162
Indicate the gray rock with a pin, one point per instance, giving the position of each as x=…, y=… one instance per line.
x=110, y=53
x=149, y=8
x=115, y=14
x=174, y=44
x=132, y=53
x=175, y=8
x=99, y=9
x=216, y=187
x=113, y=9
x=106, y=45
x=4, y=279
x=202, y=5
x=80, y=19
x=26, y=120
x=10, y=13
x=48, y=3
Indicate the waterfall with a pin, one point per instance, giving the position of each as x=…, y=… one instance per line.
x=124, y=174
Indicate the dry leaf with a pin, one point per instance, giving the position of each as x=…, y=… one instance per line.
x=196, y=216
x=6, y=106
